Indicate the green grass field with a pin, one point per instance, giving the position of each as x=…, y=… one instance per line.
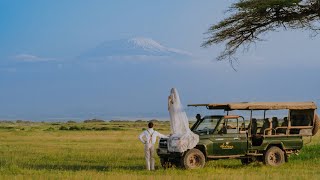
x=111, y=150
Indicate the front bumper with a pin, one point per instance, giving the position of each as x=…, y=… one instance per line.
x=163, y=152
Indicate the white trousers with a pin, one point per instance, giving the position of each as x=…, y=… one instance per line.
x=149, y=156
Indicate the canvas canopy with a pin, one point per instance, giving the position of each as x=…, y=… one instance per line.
x=260, y=106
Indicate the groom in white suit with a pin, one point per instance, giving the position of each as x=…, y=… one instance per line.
x=149, y=138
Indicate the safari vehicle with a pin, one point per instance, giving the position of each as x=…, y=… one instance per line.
x=231, y=136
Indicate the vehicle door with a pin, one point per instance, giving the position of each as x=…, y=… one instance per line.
x=230, y=137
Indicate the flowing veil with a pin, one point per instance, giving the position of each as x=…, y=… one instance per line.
x=182, y=137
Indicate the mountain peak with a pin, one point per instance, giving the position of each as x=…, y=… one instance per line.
x=137, y=46
x=146, y=43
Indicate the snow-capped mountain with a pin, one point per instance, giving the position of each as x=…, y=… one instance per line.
x=138, y=46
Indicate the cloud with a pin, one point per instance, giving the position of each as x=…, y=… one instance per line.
x=8, y=70
x=31, y=58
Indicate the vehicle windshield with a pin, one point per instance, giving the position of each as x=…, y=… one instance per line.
x=208, y=124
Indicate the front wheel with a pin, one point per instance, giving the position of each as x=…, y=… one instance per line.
x=274, y=156
x=193, y=159
x=165, y=163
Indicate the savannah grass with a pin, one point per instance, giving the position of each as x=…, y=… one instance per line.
x=111, y=150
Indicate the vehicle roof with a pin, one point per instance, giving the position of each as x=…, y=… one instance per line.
x=260, y=105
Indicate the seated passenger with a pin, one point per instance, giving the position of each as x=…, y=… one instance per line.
x=275, y=124
x=284, y=124
x=266, y=125
x=242, y=127
x=223, y=130
x=253, y=126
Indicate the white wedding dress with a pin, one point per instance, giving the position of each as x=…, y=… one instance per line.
x=182, y=137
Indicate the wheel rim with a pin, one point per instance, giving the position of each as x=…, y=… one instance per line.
x=274, y=158
x=194, y=161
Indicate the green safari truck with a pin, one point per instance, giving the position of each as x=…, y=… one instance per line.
x=269, y=140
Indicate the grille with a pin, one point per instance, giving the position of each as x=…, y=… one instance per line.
x=163, y=143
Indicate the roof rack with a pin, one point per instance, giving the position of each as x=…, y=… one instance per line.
x=260, y=106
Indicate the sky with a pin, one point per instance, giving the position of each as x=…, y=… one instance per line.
x=45, y=75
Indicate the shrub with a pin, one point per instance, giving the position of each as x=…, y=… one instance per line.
x=106, y=128
x=93, y=120
x=103, y=128
x=22, y=121
x=50, y=129
x=6, y=127
x=63, y=128
x=9, y=122
x=75, y=128
x=154, y=120
x=71, y=122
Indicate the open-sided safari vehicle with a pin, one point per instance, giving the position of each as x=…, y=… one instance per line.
x=268, y=140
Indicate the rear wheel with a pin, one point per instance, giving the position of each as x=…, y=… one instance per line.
x=193, y=159
x=274, y=156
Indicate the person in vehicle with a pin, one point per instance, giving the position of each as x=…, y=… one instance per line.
x=266, y=125
x=223, y=130
x=242, y=127
x=285, y=123
x=275, y=124
x=253, y=126
x=198, y=118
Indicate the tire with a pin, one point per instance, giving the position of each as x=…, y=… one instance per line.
x=193, y=159
x=165, y=163
x=316, y=125
x=274, y=157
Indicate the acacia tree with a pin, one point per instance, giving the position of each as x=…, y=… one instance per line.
x=250, y=19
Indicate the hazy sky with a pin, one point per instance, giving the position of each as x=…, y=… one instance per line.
x=43, y=78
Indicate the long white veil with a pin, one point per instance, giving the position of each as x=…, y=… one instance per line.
x=182, y=137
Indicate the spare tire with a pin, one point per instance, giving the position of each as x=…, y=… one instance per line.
x=316, y=125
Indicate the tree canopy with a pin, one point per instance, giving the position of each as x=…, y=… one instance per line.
x=250, y=19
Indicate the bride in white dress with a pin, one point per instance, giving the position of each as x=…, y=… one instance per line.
x=182, y=137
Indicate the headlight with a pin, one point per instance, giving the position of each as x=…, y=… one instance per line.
x=163, y=143
x=175, y=141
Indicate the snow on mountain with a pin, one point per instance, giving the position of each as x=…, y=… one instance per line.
x=138, y=46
